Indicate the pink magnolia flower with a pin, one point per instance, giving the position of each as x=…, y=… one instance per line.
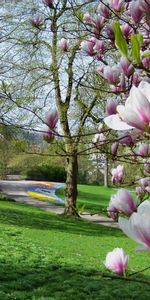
x=104, y=10
x=48, y=135
x=135, y=113
x=117, y=261
x=99, y=47
x=115, y=89
x=147, y=167
x=37, y=21
x=87, y=19
x=111, y=106
x=114, y=148
x=99, y=138
x=122, y=83
x=112, y=74
x=138, y=190
x=63, y=44
x=117, y=174
x=88, y=46
x=127, y=138
x=127, y=30
x=126, y=67
x=138, y=225
x=135, y=11
x=122, y=202
x=116, y=4
x=143, y=149
x=109, y=30
x=52, y=119
x=146, y=62
x=99, y=22
x=136, y=79
x=145, y=184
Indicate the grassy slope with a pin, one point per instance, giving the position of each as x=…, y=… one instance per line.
x=91, y=198
x=49, y=257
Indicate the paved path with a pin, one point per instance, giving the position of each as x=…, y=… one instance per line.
x=17, y=190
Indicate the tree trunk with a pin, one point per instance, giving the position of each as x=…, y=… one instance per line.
x=106, y=184
x=71, y=185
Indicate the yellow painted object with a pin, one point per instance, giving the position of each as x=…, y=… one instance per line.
x=40, y=196
x=43, y=183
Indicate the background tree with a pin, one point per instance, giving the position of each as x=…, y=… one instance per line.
x=50, y=71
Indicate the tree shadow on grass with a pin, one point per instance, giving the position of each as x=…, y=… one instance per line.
x=56, y=282
x=37, y=219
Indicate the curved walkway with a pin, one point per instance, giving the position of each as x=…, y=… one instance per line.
x=18, y=191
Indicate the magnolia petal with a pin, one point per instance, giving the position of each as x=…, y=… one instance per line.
x=125, y=225
x=114, y=122
x=139, y=103
x=137, y=227
x=142, y=248
x=144, y=207
x=130, y=117
x=145, y=89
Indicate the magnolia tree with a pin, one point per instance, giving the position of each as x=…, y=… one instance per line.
x=119, y=39
x=43, y=52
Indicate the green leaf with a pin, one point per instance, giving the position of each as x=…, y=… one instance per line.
x=120, y=39
x=146, y=54
x=135, y=48
x=140, y=38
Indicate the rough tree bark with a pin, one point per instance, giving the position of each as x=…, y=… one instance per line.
x=71, y=185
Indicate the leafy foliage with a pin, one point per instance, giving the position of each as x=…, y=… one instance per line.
x=47, y=172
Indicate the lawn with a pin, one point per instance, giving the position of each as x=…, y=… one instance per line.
x=49, y=257
x=91, y=198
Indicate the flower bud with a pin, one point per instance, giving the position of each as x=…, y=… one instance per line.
x=135, y=11
x=88, y=46
x=87, y=19
x=111, y=106
x=99, y=47
x=114, y=148
x=127, y=30
x=147, y=167
x=110, y=32
x=49, y=3
x=126, y=67
x=99, y=22
x=112, y=74
x=117, y=174
x=52, y=119
x=63, y=44
x=104, y=11
x=146, y=62
x=37, y=21
x=116, y=4
x=143, y=149
x=48, y=135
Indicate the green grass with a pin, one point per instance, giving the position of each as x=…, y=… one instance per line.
x=49, y=257
x=91, y=198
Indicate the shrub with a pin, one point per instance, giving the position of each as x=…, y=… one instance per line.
x=47, y=172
